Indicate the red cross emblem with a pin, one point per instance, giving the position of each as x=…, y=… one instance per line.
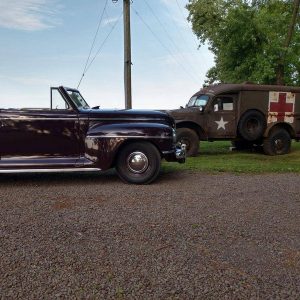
x=281, y=107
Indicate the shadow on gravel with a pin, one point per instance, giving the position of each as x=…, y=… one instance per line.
x=84, y=178
x=60, y=178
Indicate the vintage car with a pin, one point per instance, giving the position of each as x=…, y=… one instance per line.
x=71, y=136
x=247, y=114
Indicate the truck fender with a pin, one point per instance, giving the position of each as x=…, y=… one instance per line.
x=192, y=125
x=283, y=125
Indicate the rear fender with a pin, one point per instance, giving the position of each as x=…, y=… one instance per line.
x=283, y=125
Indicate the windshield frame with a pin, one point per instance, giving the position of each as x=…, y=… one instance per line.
x=83, y=104
x=193, y=100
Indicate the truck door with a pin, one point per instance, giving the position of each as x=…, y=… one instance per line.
x=221, y=117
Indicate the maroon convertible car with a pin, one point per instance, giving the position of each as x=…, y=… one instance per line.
x=71, y=136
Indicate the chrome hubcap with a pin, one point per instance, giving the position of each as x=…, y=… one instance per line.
x=137, y=162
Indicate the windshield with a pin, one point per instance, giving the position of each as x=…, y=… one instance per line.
x=199, y=100
x=78, y=99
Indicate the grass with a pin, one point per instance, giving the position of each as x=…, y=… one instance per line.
x=217, y=157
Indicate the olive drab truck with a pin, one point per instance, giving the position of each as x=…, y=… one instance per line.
x=246, y=114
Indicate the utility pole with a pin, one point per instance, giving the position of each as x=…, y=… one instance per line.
x=127, y=53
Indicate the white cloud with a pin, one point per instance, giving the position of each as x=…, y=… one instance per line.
x=109, y=21
x=28, y=15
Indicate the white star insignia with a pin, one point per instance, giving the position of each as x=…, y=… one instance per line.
x=221, y=124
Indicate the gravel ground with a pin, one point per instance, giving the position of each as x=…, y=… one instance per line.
x=187, y=236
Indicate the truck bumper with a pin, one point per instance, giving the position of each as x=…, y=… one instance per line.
x=178, y=154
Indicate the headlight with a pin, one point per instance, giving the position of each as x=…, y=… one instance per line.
x=174, y=136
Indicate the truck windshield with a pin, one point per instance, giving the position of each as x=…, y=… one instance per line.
x=78, y=99
x=199, y=100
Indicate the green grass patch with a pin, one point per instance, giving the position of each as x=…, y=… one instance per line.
x=217, y=157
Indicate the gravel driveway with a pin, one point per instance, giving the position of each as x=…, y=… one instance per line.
x=187, y=236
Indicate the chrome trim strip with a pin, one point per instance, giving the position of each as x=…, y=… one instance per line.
x=39, y=119
x=122, y=119
x=14, y=171
x=129, y=136
x=77, y=118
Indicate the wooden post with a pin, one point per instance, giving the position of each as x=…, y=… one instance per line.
x=127, y=54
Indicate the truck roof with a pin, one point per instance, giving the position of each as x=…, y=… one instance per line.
x=230, y=87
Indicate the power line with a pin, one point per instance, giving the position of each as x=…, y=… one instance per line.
x=95, y=37
x=185, y=20
x=100, y=48
x=188, y=26
x=164, y=46
x=169, y=36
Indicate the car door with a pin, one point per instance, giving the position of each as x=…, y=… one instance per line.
x=47, y=136
x=221, y=118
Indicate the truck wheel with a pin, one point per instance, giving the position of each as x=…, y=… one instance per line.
x=138, y=163
x=277, y=143
x=252, y=125
x=190, y=138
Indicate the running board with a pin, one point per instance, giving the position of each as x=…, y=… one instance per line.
x=15, y=171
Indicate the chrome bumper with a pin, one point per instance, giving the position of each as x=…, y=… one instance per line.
x=180, y=153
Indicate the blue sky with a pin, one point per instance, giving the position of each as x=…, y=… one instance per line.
x=46, y=43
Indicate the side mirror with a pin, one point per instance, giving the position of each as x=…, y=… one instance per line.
x=201, y=108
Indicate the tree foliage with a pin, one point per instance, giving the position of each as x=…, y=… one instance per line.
x=249, y=39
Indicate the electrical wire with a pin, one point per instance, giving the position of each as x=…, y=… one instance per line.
x=188, y=26
x=170, y=38
x=94, y=40
x=100, y=48
x=104, y=41
x=164, y=46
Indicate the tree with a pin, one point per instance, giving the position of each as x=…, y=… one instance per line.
x=256, y=41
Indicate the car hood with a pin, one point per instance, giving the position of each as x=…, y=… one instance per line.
x=134, y=115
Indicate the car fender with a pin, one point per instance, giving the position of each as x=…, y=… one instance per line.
x=103, y=141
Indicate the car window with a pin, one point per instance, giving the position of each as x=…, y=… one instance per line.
x=223, y=103
x=58, y=102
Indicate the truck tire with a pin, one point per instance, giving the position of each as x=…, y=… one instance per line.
x=252, y=125
x=278, y=142
x=190, y=138
x=138, y=163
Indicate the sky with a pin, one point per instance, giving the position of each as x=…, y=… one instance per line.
x=46, y=43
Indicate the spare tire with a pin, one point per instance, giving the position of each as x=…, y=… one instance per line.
x=252, y=125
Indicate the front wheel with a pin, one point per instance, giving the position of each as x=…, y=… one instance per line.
x=138, y=163
x=190, y=138
x=277, y=143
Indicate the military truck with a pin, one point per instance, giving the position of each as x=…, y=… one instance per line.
x=247, y=114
